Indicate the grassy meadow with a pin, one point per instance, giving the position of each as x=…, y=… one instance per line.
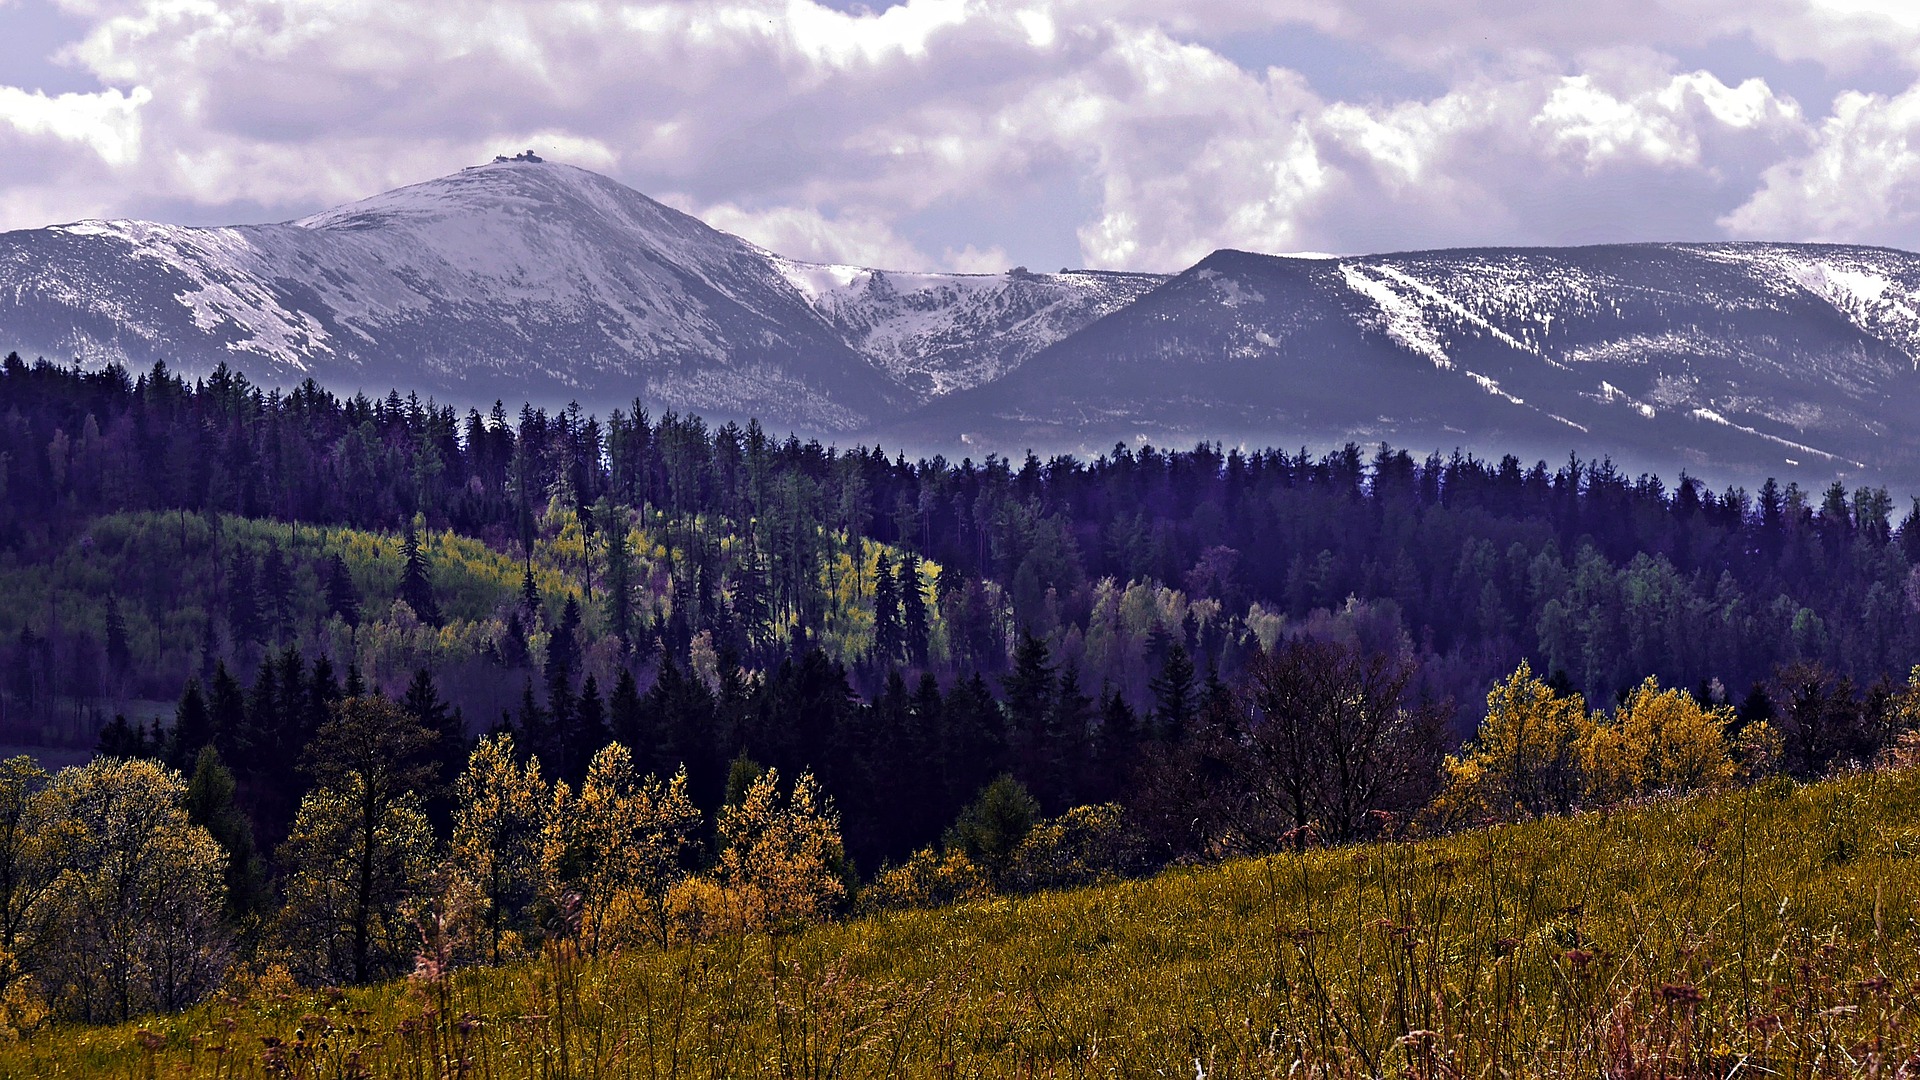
x=1770, y=931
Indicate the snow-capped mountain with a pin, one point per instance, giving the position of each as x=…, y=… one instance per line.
x=1731, y=360
x=529, y=279
x=523, y=279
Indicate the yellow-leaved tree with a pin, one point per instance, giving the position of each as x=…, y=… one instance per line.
x=501, y=828
x=623, y=842
x=130, y=922
x=781, y=857
x=1657, y=741
x=1525, y=759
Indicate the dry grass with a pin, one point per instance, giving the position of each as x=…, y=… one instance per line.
x=1767, y=932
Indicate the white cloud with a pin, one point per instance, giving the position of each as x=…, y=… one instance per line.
x=108, y=123
x=1860, y=183
x=818, y=132
x=811, y=236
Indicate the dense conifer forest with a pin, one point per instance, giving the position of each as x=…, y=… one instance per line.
x=1148, y=657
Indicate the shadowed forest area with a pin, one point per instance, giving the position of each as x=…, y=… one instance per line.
x=362, y=665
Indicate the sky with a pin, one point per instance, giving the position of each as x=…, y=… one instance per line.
x=961, y=135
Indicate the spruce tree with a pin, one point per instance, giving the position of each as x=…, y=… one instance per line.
x=913, y=609
x=626, y=721
x=1175, y=695
x=619, y=590
x=210, y=805
x=1029, y=705
x=416, y=580
x=448, y=752
x=121, y=739
x=343, y=597
x=192, y=727
x=276, y=594
x=887, y=638
x=588, y=732
x=243, y=601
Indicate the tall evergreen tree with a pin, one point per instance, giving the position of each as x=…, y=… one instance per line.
x=619, y=590
x=1175, y=695
x=244, y=624
x=887, y=637
x=276, y=593
x=588, y=732
x=447, y=753
x=416, y=579
x=627, y=721
x=192, y=727
x=343, y=597
x=119, y=652
x=210, y=805
x=913, y=609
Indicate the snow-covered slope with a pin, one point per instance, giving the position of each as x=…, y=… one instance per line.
x=938, y=333
x=524, y=278
x=1733, y=360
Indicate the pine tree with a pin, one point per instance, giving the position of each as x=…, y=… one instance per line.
x=343, y=597
x=990, y=829
x=276, y=593
x=448, y=751
x=192, y=727
x=514, y=650
x=1174, y=695
x=887, y=637
x=530, y=601
x=210, y=805
x=913, y=609
x=243, y=601
x=534, y=726
x=619, y=590
x=627, y=720
x=589, y=731
x=120, y=739
x=227, y=716
x=416, y=580
x=563, y=663
x=1029, y=705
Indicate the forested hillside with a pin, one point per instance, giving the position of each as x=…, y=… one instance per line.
x=994, y=675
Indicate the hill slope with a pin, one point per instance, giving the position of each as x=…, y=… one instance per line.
x=1761, y=932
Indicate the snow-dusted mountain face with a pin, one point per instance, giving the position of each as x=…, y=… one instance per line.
x=938, y=333
x=1733, y=361
x=527, y=279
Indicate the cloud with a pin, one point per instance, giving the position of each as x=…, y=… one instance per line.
x=1860, y=183
x=811, y=236
x=820, y=133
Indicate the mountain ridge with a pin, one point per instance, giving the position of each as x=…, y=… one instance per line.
x=540, y=281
